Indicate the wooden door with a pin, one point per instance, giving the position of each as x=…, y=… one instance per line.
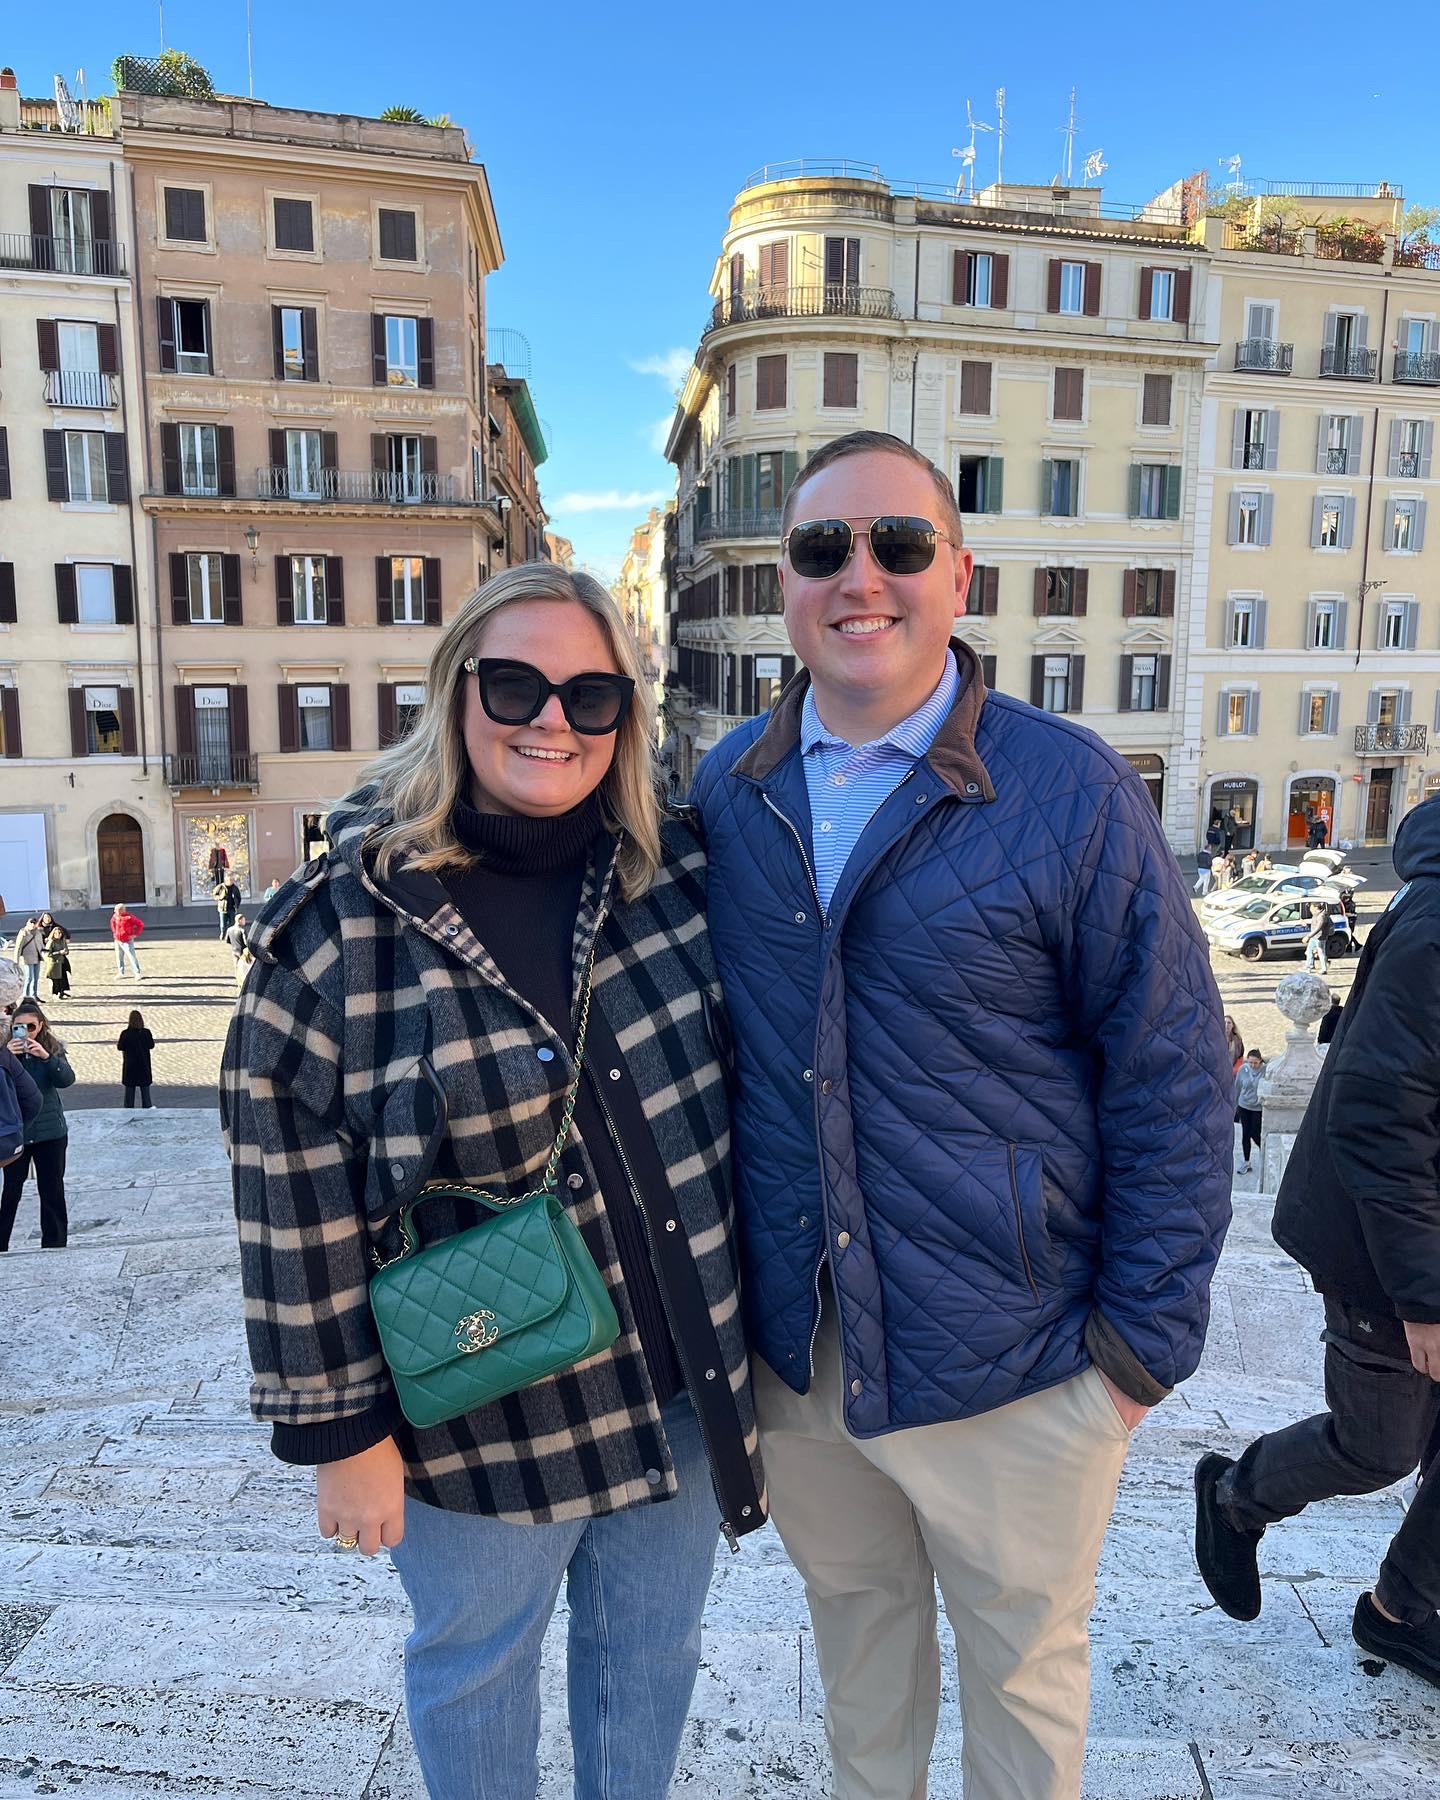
x=122, y=860
x=1377, y=806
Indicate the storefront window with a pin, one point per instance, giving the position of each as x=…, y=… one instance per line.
x=202, y=835
x=1312, y=800
x=1232, y=807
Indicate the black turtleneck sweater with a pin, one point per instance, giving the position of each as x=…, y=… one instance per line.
x=521, y=900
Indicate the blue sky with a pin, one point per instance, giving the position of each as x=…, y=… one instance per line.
x=615, y=138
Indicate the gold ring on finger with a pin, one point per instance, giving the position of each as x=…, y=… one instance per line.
x=346, y=1543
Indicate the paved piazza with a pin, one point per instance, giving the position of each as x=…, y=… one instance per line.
x=170, y=1623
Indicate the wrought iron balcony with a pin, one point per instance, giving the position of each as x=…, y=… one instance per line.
x=734, y=524
x=212, y=769
x=1336, y=462
x=61, y=256
x=80, y=387
x=1350, y=365
x=380, y=487
x=1391, y=740
x=1264, y=356
x=1253, y=457
x=1417, y=365
x=817, y=300
x=1407, y=465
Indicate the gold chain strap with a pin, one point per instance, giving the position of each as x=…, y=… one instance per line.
x=548, y=1182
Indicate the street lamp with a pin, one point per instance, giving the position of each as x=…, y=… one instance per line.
x=252, y=544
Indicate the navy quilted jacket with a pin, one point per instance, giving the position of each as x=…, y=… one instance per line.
x=992, y=1087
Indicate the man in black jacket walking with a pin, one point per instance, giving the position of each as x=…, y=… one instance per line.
x=1359, y=1208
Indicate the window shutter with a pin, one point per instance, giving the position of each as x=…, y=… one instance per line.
x=4, y=463
x=1134, y=501
x=429, y=455
x=79, y=742
x=1037, y=681
x=1259, y=614
x=67, y=606
x=117, y=472
x=747, y=590
x=1372, y=711
x=1232, y=530
x=179, y=588
x=379, y=452
x=1420, y=509
x=387, y=721
x=432, y=590
x=1000, y=282
x=126, y=699
x=1129, y=593
x=994, y=484
x=787, y=670
x=1162, y=683
x=1312, y=613
x=730, y=391
x=107, y=349
x=1272, y=437
x=1412, y=624
x=1047, y=485
x=987, y=672
x=975, y=385
x=47, y=333
x=1403, y=701
x=284, y=594
x=1167, y=593
x=1322, y=443
x=1222, y=715
x=165, y=325
x=1172, y=491
x=309, y=343
x=959, y=277
x=40, y=255
x=124, y=588
x=789, y=468
x=988, y=586
x=1077, y=678
x=340, y=716
x=1356, y=443
x=1362, y=330
x=1181, y=314
x=384, y=592
x=1252, y=712
x=329, y=450
x=1146, y=288
x=57, y=476
x=277, y=340
x=1342, y=615
x=230, y=590
x=239, y=698
x=1397, y=434
x=834, y=268
x=1092, y=301
x=185, y=721
x=1039, y=593
x=1127, y=671
x=1305, y=712
x=1237, y=439
x=1347, y=521
x=1317, y=508
x=289, y=718
x=10, y=721
x=1266, y=522
x=334, y=590
x=852, y=262
x=1332, y=713
x=225, y=460
x=8, y=615
x=1079, y=592
x=1052, y=294
x=1427, y=444
x=737, y=275
x=379, y=361
x=1227, y=640
x=425, y=351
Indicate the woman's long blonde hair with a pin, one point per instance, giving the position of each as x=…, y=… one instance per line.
x=418, y=780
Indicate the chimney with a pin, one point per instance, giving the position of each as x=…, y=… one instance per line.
x=9, y=101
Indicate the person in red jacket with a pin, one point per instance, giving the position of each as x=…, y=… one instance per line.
x=125, y=927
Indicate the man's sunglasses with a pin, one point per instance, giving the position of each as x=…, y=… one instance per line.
x=902, y=545
x=514, y=693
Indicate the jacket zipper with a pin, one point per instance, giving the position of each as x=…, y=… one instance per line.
x=794, y=831
x=1020, y=1221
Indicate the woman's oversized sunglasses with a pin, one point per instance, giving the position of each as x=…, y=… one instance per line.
x=902, y=545
x=515, y=693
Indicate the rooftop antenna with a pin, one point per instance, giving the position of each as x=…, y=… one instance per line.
x=1000, y=141
x=250, y=44
x=72, y=117
x=1068, y=133
x=162, y=26
x=1095, y=166
x=965, y=186
x=1231, y=165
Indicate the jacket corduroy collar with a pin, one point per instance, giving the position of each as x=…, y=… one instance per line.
x=952, y=756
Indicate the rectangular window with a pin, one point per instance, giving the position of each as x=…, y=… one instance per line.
x=1387, y=708
x=1056, y=691
x=1402, y=524
x=1069, y=396
x=1162, y=293
x=1336, y=459
x=1149, y=588
x=842, y=262
x=1322, y=626
x=294, y=225
x=1235, y=714
x=730, y=392
x=1151, y=500
x=292, y=343
x=79, y=346
x=85, y=465
x=978, y=485
x=842, y=378
x=1260, y=321
x=1242, y=624
x=192, y=337
x=767, y=682
x=1393, y=637
x=975, y=379
x=212, y=734
x=313, y=706
x=405, y=470
x=1060, y=592
x=1315, y=711
x=102, y=721
x=303, y=469
x=307, y=586
x=72, y=232
x=1331, y=512
x=769, y=383
x=1072, y=287
x=1063, y=496
x=199, y=461
x=979, y=283
x=1257, y=421
x=407, y=589
x=397, y=236
x=1142, y=683
x=409, y=701
x=1247, y=524
x=769, y=602
x=402, y=351
x=207, y=602
x=185, y=215
x=1155, y=402
x=95, y=593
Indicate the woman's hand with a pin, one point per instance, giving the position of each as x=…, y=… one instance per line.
x=33, y=1047
x=363, y=1497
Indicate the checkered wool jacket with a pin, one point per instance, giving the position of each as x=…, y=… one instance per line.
x=377, y=1047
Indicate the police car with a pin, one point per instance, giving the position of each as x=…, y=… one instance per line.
x=1280, y=883
x=1269, y=927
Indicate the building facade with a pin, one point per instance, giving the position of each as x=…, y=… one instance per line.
x=1316, y=664
x=517, y=449
x=640, y=593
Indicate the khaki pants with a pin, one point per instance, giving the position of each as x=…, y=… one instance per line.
x=1008, y=1512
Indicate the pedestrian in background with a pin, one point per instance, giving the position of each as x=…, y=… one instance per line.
x=1248, y=1104
x=235, y=937
x=135, y=1044
x=1330, y=1023
x=29, y=949
x=1203, y=876
x=227, y=903
x=1248, y=862
x=1219, y=872
x=1235, y=1044
x=125, y=927
x=57, y=960
x=46, y=1135
x=19, y=1096
x=272, y=888
x=1315, y=940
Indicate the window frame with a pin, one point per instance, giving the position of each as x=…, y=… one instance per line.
x=1168, y=278
x=1054, y=686
x=1407, y=507
x=93, y=438
x=288, y=252
x=204, y=246
x=302, y=712
x=417, y=211
x=1139, y=676
x=407, y=594
x=193, y=432
x=1392, y=636
x=197, y=564
x=305, y=564
x=1153, y=474
x=1071, y=271
x=391, y=364
x=91, y=568
x=1242, y=613
x=201, y=305
x=1329, y=611
x=92, y=747
x=972, y=278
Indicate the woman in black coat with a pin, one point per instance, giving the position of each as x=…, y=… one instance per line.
x=135, y=1044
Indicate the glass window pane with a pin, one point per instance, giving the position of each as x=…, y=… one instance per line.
x=292, y=343
x=401, y=353
x=95, y=593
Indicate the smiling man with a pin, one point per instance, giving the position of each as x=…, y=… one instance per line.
x=983, y=1137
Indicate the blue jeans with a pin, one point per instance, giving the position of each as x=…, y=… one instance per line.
x=121, y=952
x=483, y=1592
x=32, y=981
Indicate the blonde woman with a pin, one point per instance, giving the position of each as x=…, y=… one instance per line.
x=412, y=1018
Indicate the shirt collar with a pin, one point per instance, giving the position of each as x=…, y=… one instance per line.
x=913, y=735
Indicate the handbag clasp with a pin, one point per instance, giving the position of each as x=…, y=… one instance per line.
x=476, y=1331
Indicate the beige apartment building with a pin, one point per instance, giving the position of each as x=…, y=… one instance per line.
x=84, y=812
x=1045, y=350
x=640, y=593
x=316, y=480
x=1316, y=665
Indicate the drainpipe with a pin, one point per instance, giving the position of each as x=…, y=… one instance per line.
x=1370, y=489
x=130, y=509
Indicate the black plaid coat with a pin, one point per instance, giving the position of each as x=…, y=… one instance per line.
x=376, y=1046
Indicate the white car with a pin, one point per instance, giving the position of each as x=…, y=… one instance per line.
x=1277, y=884
x=1263, y=927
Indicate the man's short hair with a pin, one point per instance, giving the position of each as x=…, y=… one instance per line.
x=861, y=443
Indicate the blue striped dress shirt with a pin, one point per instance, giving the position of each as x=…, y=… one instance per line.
x=848, y=782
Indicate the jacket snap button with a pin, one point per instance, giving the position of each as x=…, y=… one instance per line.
x=857, y=1387
x=826, y=1087
x=972, y=787
x=920, y=799
x=799, y=918
x=709, y=1374
x=452, y=931
x=653, y=1477
x=397, y=1170
x=809, y=1074
x=843, y=1241
x=804, y=1219
x=614, y=1074
x=576, y=1181
x=545, y=1055
x=669, y=1224
x=745, y=1512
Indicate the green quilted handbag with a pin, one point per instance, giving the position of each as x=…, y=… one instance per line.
x=469, y=1319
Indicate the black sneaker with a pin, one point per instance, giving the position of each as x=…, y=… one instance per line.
x=1412, y=1647
x=1226, y=1555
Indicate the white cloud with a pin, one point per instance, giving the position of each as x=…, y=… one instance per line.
x=611, y=500
x=671, y=366
x=658, y=434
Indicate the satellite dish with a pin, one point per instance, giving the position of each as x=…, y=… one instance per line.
x=71, y=117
